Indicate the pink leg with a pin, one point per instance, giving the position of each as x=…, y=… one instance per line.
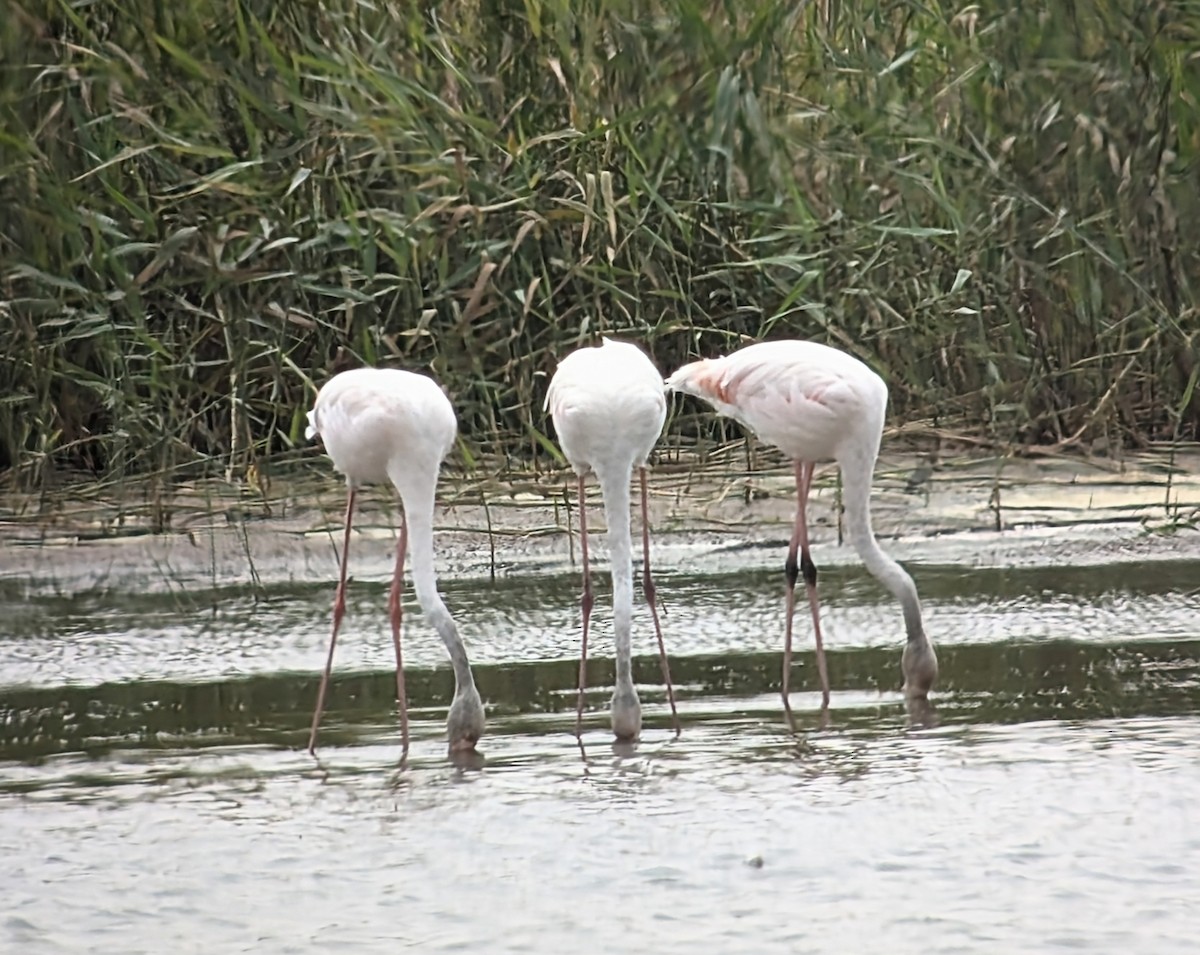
x=809, y=570
x=793, y=569
x=585, y=606
x=395, y=612
x=339, y=610
x=651, y=599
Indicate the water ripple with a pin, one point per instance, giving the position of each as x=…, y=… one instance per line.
x=154, y=794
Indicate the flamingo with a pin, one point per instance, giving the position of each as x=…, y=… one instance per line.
x=816, y=403
x=381, y=424
x=608, y=406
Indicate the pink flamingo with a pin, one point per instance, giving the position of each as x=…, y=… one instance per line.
x=816, y=403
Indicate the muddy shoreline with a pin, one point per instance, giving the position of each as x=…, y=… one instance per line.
x=970, y=511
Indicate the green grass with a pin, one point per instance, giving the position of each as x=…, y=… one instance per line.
x=209, y=205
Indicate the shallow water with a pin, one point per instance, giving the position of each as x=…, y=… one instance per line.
x=154, y=796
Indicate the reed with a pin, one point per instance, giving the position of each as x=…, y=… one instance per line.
x=211, y=205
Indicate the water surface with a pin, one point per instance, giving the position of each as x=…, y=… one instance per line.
x=154, y=794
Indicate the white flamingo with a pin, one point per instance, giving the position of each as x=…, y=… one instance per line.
x=609, y=407
x=382, y=424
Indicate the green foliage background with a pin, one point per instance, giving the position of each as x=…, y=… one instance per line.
x=206, y=206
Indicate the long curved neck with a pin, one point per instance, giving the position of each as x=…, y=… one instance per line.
x=856, y=494
x=614, y=484
x=418, y=514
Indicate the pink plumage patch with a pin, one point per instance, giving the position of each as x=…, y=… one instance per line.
x=710, y=379
x=725, y=387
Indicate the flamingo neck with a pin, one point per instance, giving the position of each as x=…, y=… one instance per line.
x=856, y=493
x=420, y=544
x=614, y=485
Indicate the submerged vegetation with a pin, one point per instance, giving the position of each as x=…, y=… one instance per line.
x=210, y=205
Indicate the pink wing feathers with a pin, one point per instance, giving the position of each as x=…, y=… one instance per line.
x=803, y=397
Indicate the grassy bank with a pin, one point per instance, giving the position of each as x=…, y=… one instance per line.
x=210, y=205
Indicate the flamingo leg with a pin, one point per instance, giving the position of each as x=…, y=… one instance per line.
x=794, y=569
x=809, y=570
x=339, y=610
x=395, y=613
x=585, y=606
x=651, y=599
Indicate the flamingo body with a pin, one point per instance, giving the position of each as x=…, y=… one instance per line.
x=608, y=407
x=813, y=402
x=380, y=424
